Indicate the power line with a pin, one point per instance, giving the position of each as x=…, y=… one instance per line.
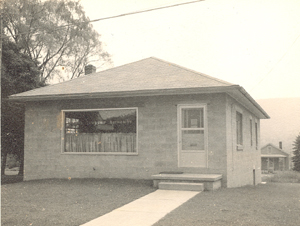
x=116, y=16
x=147, y=10
x=263, y=78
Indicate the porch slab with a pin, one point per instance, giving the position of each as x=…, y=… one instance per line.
x=210, y=181
x=180, y=186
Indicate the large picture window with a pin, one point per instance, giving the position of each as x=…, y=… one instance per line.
x=100, y=131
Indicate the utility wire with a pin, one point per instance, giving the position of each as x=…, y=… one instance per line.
x=263, y=78
x=147, y=10
x=112, y=17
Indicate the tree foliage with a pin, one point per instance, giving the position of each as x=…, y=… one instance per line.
x=18, y=74
x=40, y=38
x=54, y=34
x=296, y=152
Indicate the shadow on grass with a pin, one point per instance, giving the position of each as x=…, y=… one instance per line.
x=10, y=179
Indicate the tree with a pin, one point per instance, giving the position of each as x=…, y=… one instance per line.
x=40, y=37
x=18, y=74
x=296, y=152
x=54, y=34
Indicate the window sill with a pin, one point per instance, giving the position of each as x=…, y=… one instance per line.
x=98, y=153
x=239, y=147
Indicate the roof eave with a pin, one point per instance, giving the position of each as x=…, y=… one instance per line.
x=233, y=90
x=273, y=156
x=242, y=96
x=156, y=92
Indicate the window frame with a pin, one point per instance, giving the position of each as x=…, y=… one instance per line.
x=239, y=146
x=204, y=129
x=251, y=131
x=63, y=132
x=256, y=134
x=202, y=124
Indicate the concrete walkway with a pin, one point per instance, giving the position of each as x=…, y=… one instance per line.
x=144, y=211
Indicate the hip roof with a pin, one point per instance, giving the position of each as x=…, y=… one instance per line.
x=150, y=76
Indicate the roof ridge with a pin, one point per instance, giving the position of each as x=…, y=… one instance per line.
x=196, y=72
x=112, y=68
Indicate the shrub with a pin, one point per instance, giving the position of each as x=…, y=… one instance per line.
x=296, y=152
x=286, y=177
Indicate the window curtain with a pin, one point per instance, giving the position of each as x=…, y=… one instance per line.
x=101, y=142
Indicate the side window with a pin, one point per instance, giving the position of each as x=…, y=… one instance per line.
x=251, y=133
x=256, y=135
x=239, y=130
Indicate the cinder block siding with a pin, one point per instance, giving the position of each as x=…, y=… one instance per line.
x=42, y=140
x=241, y=163
x=157, y=139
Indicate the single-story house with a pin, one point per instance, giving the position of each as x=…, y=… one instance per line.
x=274, y=158
x=141, y=119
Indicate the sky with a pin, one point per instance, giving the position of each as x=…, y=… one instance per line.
x=255, y=44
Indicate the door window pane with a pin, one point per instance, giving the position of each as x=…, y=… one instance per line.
x=193, y=140
x=192, y=118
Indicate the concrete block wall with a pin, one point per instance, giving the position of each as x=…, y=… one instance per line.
x=42, y=141
x=242, y=163
x=157, y=139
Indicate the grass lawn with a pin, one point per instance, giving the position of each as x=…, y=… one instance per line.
x=66, y=202
x=76, y=201
x=265, y=205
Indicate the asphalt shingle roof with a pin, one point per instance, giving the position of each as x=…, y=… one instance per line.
x=150, y=76
x=147, y=74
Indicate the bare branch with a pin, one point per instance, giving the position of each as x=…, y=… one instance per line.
x=48, y=48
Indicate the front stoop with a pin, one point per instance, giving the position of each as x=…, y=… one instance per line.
x=210, y=181
x=180, y=186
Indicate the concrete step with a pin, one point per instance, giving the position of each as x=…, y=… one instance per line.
x=210, y=181
x=181, y=186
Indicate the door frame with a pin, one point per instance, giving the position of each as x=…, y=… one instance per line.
x=179, y=131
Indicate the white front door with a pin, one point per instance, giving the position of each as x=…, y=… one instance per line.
x=192, y=136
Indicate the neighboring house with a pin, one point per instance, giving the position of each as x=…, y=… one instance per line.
x=141, y=119
x=274, y=158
